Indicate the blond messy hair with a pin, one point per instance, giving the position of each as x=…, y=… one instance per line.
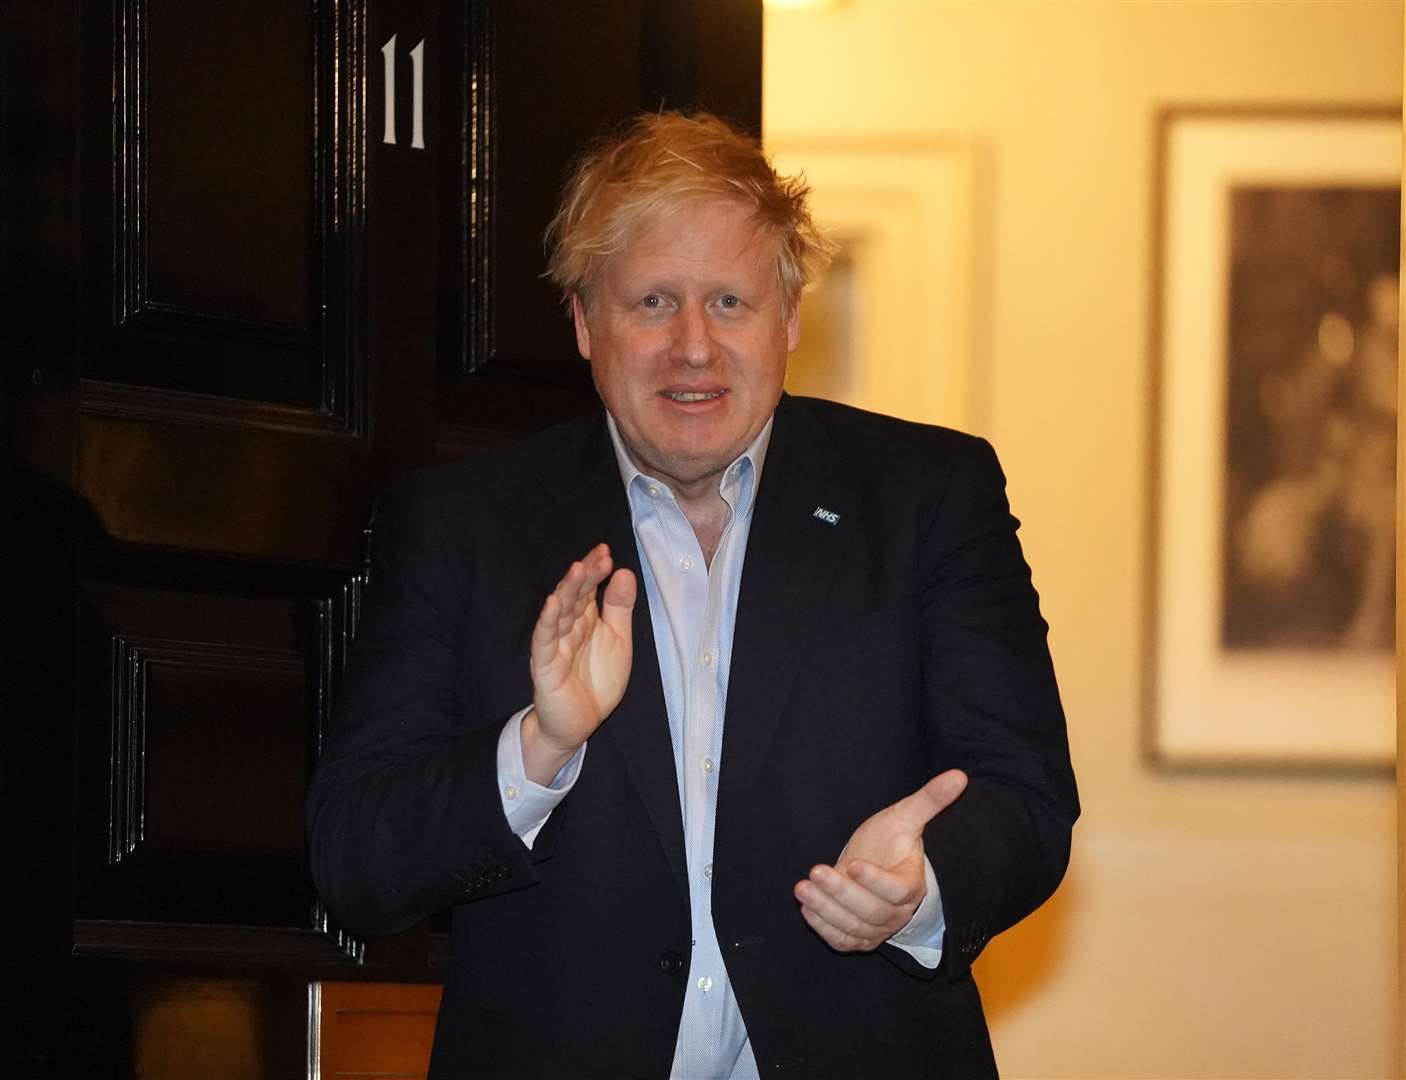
x=659, y=162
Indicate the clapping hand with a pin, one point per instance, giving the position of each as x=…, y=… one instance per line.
x=877, y=883
x=580, y=661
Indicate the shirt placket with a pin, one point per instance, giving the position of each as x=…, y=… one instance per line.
x=694, y=601
x=701, y=759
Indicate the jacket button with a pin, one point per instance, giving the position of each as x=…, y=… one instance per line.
x=670, y=962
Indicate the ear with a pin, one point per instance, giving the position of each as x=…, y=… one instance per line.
x=583, y=329
x=793, y=327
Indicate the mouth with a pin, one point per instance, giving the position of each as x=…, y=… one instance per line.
x=686, y=397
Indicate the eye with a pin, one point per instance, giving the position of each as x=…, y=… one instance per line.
x=730, y=302
x=652, y=301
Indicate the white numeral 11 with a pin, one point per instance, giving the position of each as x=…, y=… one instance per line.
x=417, y=65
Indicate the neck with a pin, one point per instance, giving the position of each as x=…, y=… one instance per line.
x=708, y=513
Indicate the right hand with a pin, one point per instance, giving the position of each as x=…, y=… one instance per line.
x=877, y=883
x=580, y=662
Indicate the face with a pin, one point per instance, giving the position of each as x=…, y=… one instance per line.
x=687, y=334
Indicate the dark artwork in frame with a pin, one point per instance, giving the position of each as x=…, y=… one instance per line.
x=1310, y=418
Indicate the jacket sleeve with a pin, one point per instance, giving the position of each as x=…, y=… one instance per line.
x=993, y=710
x=403, y=813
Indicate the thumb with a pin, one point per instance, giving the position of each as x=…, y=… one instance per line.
x=618, y=603
x=931, y=799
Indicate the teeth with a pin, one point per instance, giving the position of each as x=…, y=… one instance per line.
x=683, y=395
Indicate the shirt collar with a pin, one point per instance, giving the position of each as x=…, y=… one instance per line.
x=750, y=460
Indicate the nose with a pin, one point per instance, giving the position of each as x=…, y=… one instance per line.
x=694, y=342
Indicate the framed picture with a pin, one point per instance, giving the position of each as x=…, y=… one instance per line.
x=1270, y=633
x=904, y=214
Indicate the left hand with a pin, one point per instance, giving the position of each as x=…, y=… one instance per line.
x=877, y=882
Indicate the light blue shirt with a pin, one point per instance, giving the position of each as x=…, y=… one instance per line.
x=693, y=608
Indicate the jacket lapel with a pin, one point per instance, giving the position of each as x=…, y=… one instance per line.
x=590, y=507
x=792, y=558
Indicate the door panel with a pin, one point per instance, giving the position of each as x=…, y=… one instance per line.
x=205, y=245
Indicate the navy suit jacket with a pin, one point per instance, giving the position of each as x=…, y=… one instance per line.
x=892, y=638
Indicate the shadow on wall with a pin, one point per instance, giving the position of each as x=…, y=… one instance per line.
x=1017, y=964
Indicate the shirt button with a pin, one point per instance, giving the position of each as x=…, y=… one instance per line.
x=708, y=765
x=708, y=871
x=686, y=563
x=653, y=491
x=705, y=983
x=707, y=659
x=510, y=793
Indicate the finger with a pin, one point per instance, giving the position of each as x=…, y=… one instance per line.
x=873, y=907
x=931, y=799
x=585, y=573
x=595, y=568
x=584, y=605
x=544, y=634
x=576, y=593
x=557, y=618
x=837, y=938
x=582, y=591
x=618, y=603
x=845, y=904
x=568, y=588
x=597, y=565
x=895, y=888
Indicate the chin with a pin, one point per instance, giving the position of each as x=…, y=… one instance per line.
x=692, y=467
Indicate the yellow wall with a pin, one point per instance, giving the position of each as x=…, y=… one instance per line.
x=1401, y=681
x=1210, y=926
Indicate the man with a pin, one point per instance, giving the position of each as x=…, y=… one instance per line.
x=765, y=819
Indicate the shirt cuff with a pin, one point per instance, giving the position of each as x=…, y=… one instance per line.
x=526, y=803
x=922, y=937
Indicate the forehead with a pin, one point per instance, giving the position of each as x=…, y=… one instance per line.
x=716, y=235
